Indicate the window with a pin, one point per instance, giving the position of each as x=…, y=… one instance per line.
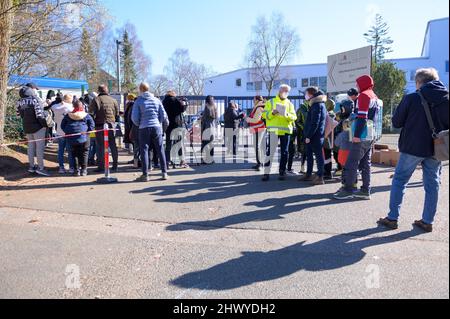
x=276, y=84
x=250, y=86
x=238, y=82
x=293, y=83
x=323, y=82
x=412, y=75
x=314, y=81
x=258, y=86
x=446, y=66
x=305, y=83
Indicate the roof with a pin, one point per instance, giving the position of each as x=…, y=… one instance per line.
x=283, y=66
x=48, y=83
x=428, y=29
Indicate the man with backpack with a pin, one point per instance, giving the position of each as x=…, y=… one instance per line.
x=419, y=144
x=360, y=156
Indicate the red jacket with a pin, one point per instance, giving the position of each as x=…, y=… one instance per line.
x=366, y=101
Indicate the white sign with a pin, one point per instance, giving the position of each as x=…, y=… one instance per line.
x=345, y=68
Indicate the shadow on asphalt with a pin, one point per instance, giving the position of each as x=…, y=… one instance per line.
x=272, y=209
x=253, y=267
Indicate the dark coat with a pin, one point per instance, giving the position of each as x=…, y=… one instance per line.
x=74, y=123
x=316, y=119
x=174, y=108
x=31, y=109
x=231, y=118
x=128, y=122
x=104, y=109
x=416, y=136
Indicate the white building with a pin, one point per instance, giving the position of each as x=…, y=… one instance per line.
x=241, y=83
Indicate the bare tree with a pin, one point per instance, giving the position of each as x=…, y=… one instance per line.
x=160, y=84
x=6, y=23
x=177, y=70
x=186, y=75
x=273, y=43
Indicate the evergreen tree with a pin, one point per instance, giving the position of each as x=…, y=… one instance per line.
x=88, y=60
x=378, y=37
x=129, y=77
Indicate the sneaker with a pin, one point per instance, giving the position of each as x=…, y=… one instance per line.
x=362, y=195
x=32, y=170
x=165, y=176
x=84, y=173
x=343, y=194
x=306, y=178
x=386, y=222
x=428, y=228
x=292, y=173
x=143, y=179
x=71, y=171
x=338, y=173
x=76, y=173
x=62, y=171
x=42, y=172
x=266, y=178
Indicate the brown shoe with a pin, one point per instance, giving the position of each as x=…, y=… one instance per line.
x=386, y=222
x=424, y=226
x=318, y=180
x=306, y=178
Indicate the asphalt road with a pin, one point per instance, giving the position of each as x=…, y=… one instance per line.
x=215, y=232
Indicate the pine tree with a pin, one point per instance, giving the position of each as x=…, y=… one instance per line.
x=128, y=65
x=378, y=37
x=88, y=60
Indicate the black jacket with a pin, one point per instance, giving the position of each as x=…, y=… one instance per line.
x=31, y=109
x=231, y=118
x=174, y=108
x=416, y=136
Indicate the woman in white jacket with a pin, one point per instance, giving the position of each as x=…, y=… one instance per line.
x=60, y=111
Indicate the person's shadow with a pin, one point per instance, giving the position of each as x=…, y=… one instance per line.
x=253, y=267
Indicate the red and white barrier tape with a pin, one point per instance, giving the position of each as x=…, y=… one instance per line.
x=53, y=138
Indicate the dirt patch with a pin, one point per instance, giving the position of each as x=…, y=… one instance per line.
x=14, y=163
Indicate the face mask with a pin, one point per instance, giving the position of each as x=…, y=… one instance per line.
x=307, y=97
x=284, y=96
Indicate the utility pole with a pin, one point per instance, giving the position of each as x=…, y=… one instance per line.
x=119, y=85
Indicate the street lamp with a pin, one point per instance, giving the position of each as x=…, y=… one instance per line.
x=119, y=86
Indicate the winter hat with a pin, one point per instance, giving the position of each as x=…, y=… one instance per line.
x=131, y=97
x=353, y=92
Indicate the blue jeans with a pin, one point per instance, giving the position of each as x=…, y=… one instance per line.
x=152, y=138
x=62, y=147
x=431, y=182
x=315, y=147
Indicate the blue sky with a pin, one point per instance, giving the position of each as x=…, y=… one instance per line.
x=216, y=31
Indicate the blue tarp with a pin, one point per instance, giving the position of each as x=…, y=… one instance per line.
x=48, y=83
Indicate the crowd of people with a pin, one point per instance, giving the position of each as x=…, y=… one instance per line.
x=314, y=131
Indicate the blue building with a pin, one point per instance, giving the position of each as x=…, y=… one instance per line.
x=244, y=82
